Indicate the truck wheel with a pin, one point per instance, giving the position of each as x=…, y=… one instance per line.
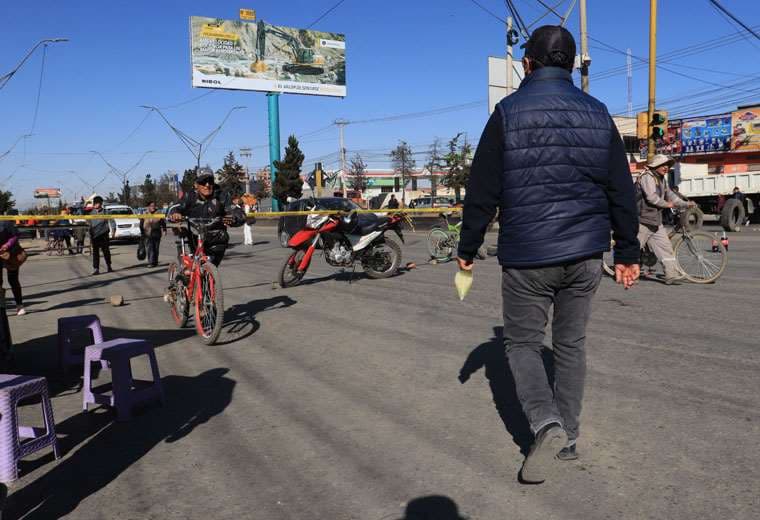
x=692, y=219
x=732, y=216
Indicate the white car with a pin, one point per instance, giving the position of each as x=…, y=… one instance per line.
x=126, y=228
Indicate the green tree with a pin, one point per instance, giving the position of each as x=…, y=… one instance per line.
x=403, y=164
x=6, y=202
x=288, y=181
x=164, y=190
x=230, y=176
x=358, y=169
x=148, y=190
x=457, y=165
x=435, y=163
x=188, y=179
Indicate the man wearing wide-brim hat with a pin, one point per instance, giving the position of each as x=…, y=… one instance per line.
x=655, y=196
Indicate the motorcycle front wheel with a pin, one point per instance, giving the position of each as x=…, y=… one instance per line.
x=382, y=260
x=290, y=276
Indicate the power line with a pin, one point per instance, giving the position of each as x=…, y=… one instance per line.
x=426, y=113
x=725, y=11
x=484, y=8
x=333, y=8
x=39, y=89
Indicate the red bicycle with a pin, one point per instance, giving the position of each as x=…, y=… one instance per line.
x=197, y=281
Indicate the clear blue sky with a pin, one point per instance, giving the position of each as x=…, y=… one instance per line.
x=402, y=56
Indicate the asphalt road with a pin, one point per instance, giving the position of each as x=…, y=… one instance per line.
x=338, y=400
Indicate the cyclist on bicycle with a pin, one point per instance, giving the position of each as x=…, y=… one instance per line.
x=206, y=201
x=654, y=195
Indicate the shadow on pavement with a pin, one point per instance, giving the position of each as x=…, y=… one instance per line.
x=98, y=281
x=240, y=320
x=114, y=447
x=492, y=356
x=432, y=507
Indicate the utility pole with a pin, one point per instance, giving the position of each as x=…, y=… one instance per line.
x=341, y=124
x=652, y=75
x=629, y=67
x=585, y=61
x=509, y=56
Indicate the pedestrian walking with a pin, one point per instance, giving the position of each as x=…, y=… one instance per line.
x=552, y=162
x=151, y=231
x=100, y=229
x=249, y=205
x=11, y=257
x=64, y=234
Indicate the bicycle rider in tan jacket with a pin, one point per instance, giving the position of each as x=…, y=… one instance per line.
x=656, y=196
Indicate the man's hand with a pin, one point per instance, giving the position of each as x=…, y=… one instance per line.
x=175, y=217
x=627, y=274
x=465, y=265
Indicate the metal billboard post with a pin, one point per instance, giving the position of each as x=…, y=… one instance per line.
x=273, y=99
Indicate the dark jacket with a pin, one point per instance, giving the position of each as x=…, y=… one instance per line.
x=100, y=227
x=552, y=161
x=216, y=237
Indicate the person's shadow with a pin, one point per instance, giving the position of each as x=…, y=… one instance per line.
x=432, y=507
x=190, y=402
x=240, y=320
x=492, y=356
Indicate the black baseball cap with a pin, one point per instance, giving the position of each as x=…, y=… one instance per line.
x=551, y=46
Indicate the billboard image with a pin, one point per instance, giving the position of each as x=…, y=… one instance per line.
x=47, y=193
x=706, y=134
x=233, y=54
x=746, y=130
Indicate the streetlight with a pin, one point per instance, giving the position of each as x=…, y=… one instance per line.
x=7, y=77
x=122, y=175
x=193, y=145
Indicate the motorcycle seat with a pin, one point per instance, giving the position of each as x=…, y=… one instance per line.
x=369, y=223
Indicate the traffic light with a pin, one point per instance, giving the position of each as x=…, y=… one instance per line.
x=659, y=125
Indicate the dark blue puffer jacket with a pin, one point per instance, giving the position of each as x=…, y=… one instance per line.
x=556, y=165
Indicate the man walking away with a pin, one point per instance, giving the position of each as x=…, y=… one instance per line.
x=654, y=197
x=151, y=230
x=99, y=231
x=551, y=160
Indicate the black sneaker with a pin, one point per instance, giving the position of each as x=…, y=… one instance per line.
x=540, y=461
x=568, y=453
x=109, y=270
x=95, y=272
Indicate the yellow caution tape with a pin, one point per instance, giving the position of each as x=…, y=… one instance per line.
x=260, y=214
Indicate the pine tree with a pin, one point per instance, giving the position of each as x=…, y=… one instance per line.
x=435, y=164
x=403, y=164
x=457, y=165
x=230, y=177
x=288, y=182
x=188, y=179
x=6, y=202
x=358, y=169
x=148, y=190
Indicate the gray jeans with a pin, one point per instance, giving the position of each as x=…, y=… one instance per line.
x=658, y=241
x=528, y=294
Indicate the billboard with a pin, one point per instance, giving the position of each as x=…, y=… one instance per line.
x=47, y=193
x=706, y=134
x=233, y=54
x=746, y=130
x=497, y=79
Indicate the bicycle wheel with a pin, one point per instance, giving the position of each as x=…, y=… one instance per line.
x=701, y=258
x=439, y=244
x=59, y=247
x=177, y=297
x=209, y=304
x=608, y=260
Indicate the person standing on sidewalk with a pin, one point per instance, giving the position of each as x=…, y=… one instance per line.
x=100, y=229
x=9, y=246
x=151, y=230
x=656, y=196
x=552, y=162
x=248, y=207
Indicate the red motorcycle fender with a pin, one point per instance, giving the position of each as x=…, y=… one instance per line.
x=301, y=237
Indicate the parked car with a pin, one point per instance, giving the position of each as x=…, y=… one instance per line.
x=427, y=202
x=127, y=228
x=287, y=226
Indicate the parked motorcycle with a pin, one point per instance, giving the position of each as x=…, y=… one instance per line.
x=345, y=240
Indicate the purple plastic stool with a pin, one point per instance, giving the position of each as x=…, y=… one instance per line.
x=16, y=441
x=68, y=353
x=125, y=391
